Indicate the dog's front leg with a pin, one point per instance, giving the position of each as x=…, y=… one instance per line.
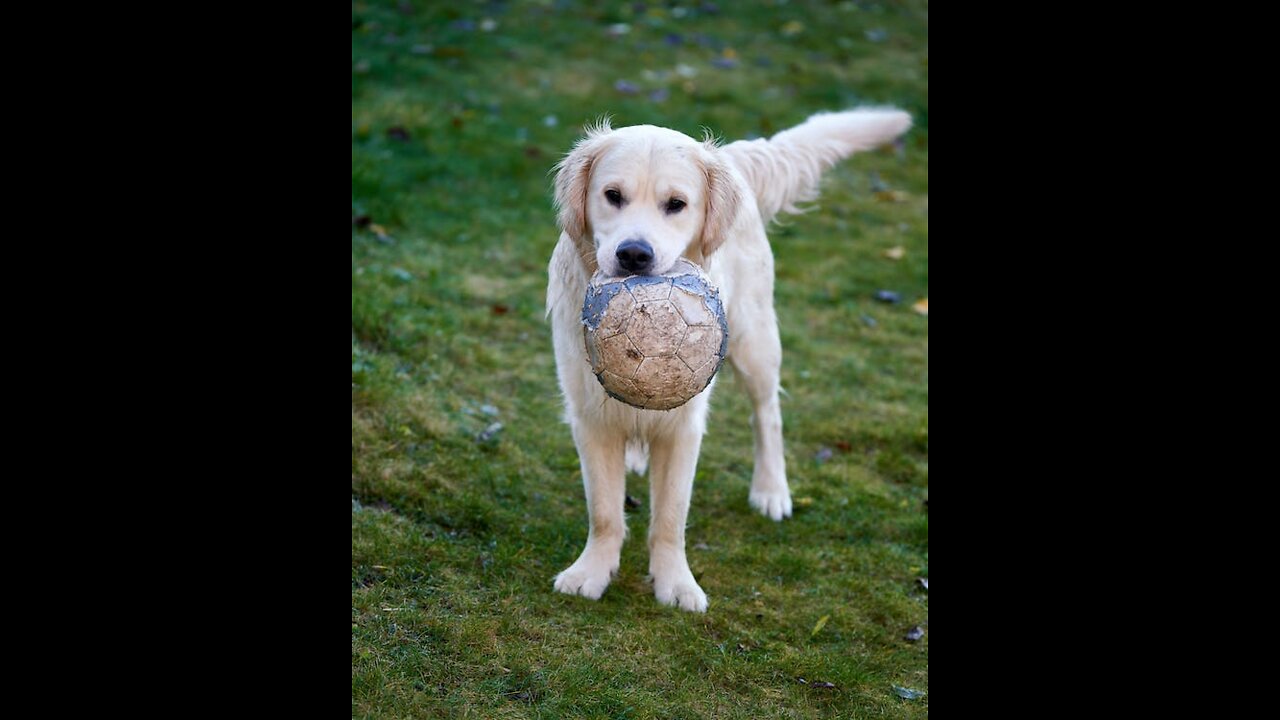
x=601, y=453
x=756, y=353
x=673, y=457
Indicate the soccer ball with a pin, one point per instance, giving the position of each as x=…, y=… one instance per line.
x=655, y=341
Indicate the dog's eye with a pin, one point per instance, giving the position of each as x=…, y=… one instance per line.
x=674, y=205
x=614, y=197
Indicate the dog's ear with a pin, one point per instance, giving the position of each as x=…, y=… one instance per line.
x=573, y=178
x=723, y=198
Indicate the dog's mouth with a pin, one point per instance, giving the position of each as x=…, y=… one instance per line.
x=621, y=272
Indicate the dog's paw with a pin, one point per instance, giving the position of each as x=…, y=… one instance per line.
x=774, y=505
x=587, y=577
x=681, y=591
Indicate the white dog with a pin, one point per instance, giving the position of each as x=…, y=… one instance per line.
x=632, y=201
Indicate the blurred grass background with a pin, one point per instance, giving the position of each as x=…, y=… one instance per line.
x=458, y=112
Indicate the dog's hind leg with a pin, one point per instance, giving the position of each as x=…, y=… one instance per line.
x=637, y=456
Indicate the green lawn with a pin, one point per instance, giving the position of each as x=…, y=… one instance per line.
x=458, y=112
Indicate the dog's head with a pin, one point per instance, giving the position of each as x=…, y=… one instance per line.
x=636, y=199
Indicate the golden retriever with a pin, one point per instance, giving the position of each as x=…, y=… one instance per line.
x=632, y=201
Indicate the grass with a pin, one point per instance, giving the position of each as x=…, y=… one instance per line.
x=454, y=541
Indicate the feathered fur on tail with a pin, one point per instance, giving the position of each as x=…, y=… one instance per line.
x=786, y=168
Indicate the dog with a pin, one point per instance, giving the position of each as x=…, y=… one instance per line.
x=631, y=201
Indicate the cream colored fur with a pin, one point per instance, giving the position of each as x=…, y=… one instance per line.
x=730, y=194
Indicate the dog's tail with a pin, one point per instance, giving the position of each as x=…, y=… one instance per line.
x=786, y=168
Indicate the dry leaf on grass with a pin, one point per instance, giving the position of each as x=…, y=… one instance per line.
x=822, y=621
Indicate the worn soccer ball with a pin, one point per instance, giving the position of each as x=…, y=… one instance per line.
x=655, y=341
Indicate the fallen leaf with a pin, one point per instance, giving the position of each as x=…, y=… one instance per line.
x=894, y=196
x=822, y=621
x=803, y=501
x=792, y=29
x=823, y=685
x=895, y=253
x=921, y=306
x=843, y=446
x=914, y=634
x=907, y=693
x=500, y=309
x=888, y=296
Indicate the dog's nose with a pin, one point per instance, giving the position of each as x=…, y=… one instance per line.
x=635, y=256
